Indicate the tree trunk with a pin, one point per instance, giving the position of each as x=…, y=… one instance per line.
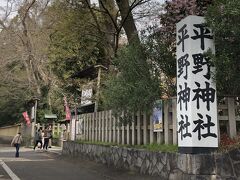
x=128, y=21
x=28, y=46
x=109, y=7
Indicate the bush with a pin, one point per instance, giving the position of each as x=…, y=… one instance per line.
x=55, y=141
x=134, y=87
x=227, y=143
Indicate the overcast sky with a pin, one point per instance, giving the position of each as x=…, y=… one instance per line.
x=141, y=24
x=3, y=6
x=3, y=3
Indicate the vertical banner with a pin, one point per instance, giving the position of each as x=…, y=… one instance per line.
x=26, y=117
x=67, y=109
x=196, y=90
x=157, y=116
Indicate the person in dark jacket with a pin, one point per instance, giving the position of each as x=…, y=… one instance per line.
x=47, y=135
x=38, y=138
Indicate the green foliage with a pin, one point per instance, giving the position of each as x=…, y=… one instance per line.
x=158, y=147
x=162, y=61
x=149, y=147
x=11, y=105
x=135, y=86
x=75, y=43
x=161, y=44
x=8, y=112
x=224, y=19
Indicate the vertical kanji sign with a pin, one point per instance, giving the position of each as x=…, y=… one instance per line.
x=196, y=90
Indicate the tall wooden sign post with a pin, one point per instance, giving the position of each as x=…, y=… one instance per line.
x=196, y=91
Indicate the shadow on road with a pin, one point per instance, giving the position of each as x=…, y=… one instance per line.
x=50, y=165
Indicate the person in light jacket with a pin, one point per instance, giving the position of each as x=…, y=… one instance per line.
x=17, y=140
x=46, y=137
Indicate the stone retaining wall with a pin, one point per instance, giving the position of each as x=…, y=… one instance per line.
x=171, y=166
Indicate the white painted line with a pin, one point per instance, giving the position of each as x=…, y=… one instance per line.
x=25, y=160
x=9, y=171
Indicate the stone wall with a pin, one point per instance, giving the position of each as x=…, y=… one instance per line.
x=8, y=132
x=171, y=166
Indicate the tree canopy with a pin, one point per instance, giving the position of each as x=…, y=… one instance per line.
x=135, y=86
x=224, y=19
x=45, y=42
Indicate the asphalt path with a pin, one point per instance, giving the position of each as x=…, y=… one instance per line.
x=51, y=165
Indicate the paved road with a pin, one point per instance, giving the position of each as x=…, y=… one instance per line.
x=41, y=165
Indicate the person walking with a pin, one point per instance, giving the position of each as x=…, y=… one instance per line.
x=38, y=138
x=17, y=140
x=50, y=136
x=46, y=138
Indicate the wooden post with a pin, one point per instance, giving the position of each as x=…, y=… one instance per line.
x=159, y=137
x=87, y=122
x=128, y=133
x=145, y=127
x=58, y=129
x=110, y=126
x=118, y=131
x=174, y=120
x=231, y=117
x=114, y=130
x=103, y=125
x=95, y=125
x=123, y=134
x=166, y=122
x=123, y=131
x=133, y=130
x=84, y=126
x=89, y=127
x=99, y=126
x=99, y=68
x=219, y=134
x=151, y=131
x=139, y=128
x=98, y=90
x=106, y=126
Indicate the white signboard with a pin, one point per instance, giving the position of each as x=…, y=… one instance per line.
x=86, y=97
x=196, y=91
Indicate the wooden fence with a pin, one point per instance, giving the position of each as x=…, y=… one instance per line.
x=104, y=127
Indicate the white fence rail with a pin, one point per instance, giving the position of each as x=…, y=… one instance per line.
x=104, y=127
